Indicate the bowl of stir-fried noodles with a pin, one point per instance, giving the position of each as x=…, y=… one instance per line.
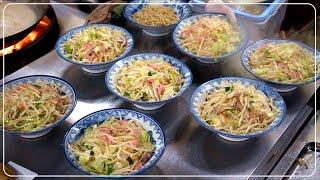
x=114, y=142
x=283, y=64
x=34, y=105
x=156, y=18
x=237, y=108
x=148, y=80
x=209, y=38
x=94, y=47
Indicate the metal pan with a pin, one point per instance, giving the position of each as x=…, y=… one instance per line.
x=32, y=14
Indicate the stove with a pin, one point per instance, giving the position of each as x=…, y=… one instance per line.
x=20, y=52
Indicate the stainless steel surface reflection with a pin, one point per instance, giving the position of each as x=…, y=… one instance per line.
x=191, y=149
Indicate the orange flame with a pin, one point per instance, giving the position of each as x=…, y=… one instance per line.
x=41, y=28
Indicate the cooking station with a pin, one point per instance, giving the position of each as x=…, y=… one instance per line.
x=191, y=150
x=25, y=47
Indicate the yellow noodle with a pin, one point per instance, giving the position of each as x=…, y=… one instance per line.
x=156, y=15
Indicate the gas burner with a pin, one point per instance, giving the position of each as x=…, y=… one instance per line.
x=20, y=52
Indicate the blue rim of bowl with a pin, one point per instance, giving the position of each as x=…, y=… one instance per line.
x=148, y=102
x=210, y=60
x=141, y=170
x=268, y=41
x=128, y=36
x=155, y=27
x=231, y=135
x=58, y=122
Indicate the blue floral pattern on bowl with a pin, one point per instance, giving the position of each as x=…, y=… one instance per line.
x=182, y=9
x=206, y=59
x=146, y=105
x=201, y=92
x=279, y=86
x=97, y=67
x=149, y=124
x=64, y=87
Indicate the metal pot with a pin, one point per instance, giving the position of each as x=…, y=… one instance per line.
x=39, y=11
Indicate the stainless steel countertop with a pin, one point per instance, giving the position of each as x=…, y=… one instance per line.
x=307, y=136
x=191, y=149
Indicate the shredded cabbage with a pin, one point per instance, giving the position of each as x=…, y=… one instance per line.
x=115, y=147
x=31, y=107
x=210, y=36
x=96, y=45
x=237, y=108
x=283, y=62
x=149, y=80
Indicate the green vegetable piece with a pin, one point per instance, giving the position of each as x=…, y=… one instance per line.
x=145, y=139
x=145, y=97
x=83, y=159
x=145, y=136
x=67, y=47
x=109, y=168
x=235, y=111
x=117, y=11
x=267, y=52
x=94, y=36
x=229, y=88
x=127, y=94
x=283, y=78
x=38, y=105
